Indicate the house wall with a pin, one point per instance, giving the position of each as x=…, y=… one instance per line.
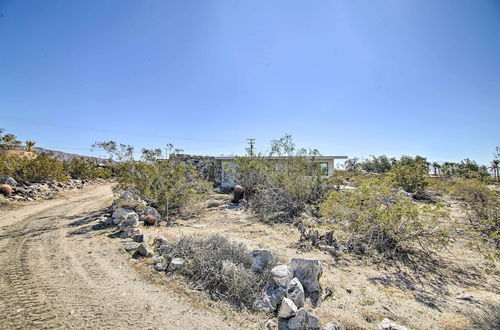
x=228, y=167
x=208, y=166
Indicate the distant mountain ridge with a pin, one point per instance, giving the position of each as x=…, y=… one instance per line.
x=64, y=156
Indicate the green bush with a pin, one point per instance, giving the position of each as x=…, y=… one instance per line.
x=40, y=169
x=45, y=168
x=80, y=168
x=409, y=174
x=164, y=184
x=376, y=217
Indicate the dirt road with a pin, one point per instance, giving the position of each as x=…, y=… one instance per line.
x=55, y=272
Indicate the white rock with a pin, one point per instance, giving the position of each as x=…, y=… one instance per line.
x=159, y=267
x=175, y=264
x=331, y=326
x=121, y=213
x=131, y=220
x=270, y=298
x=130, y=232
x=295, y=292
x=281, y=275
x=387, y=324
x=287, y=309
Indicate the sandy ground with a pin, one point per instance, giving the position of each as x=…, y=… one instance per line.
x=56, y=272
x=362, y=292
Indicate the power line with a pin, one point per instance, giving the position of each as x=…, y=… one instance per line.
x=179, y=138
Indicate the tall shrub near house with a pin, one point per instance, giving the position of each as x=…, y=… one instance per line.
x=166, y=185
x=283, y=183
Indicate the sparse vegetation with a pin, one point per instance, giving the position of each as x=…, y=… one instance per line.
x=221, y=267
x=165, y=185
x=284, y=183
x=378, y=218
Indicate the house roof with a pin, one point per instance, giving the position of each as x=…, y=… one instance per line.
x=316, y=157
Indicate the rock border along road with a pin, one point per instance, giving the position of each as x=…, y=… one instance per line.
x=56, y=272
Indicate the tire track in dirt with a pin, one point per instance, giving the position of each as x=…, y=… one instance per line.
x=56, y=273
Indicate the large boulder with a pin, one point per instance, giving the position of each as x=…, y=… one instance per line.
x=144, y=250
x=130, y=221
x=301, y=320
x=5, y=179
x=295, y=292
x=130, y=200
x=270, y=298
x=130, y=246
x=287, y=309
x=308, y=272
x=121, y=213
x=281, y=275
x=131, y=232
x=260, y=259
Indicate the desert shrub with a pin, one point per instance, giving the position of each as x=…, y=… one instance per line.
x=40, y=169
x=486, y=317
x=409, y=174
x=483, y=210
x=220, y=267
x=164, y=184
x=45, y=168
x=80, y=168
x=374, y=164
x=376, y=217
x=284, y=183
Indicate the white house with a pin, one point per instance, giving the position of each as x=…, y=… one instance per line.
x=227, y=179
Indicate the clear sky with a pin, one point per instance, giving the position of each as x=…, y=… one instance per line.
x=347, y=77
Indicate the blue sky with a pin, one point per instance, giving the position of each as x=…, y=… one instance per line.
x=347, y=77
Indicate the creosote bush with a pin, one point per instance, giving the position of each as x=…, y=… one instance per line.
x=282, y=184
x=378, y=218
x=164, y=184
x=483, y=209
x=220, y=267
x=46, y=168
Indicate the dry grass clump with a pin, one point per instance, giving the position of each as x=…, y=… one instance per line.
x=488, y=317
x=220, y=267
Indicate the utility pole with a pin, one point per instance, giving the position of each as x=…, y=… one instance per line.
x=251, y=143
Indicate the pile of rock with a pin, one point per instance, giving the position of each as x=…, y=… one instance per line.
x=36, y=191
x=129, y=214
x=290, y=285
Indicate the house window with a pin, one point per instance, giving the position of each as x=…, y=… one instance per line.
x=324, y=168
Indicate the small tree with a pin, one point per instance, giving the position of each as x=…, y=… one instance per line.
x=9, y=142
x=29, y=145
